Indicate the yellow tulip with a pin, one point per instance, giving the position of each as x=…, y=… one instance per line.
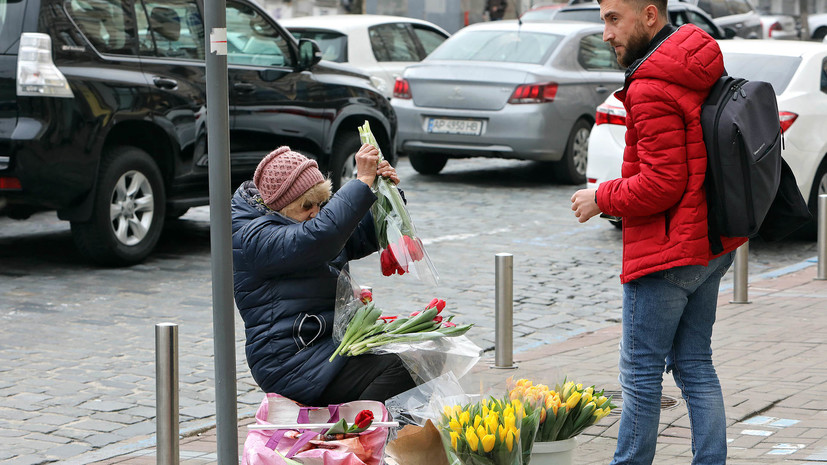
x=488, y=442
x=454, y=425
x=454, y=438
x=516, y=434
x=542, y=415
x=477, y=421
x=485, y=411
x=601, y=400
x=501, y=430
x=509, y=421
x=473, y=440
x=481, y=432
x=573, y=400
x=508, y=411
x=509, y=441
x=448, y=411
x=465, y=417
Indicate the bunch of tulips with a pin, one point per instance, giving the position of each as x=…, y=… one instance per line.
x=368, y=330
x=488, y=432
x=399, y=245
x=564, y=411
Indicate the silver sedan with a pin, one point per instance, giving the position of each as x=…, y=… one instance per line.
x=507, y=90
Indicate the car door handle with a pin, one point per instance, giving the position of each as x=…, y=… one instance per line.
x=601, y=89
x=164, y=83
x=244, y=87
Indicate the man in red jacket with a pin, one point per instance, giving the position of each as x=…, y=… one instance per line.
x=670, y=277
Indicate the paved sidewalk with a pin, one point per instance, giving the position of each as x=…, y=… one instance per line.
x=771, y=357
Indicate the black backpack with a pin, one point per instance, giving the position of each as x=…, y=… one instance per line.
x=742, y=134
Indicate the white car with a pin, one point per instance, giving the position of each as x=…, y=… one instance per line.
x=798, y=75
x=779, y=27
x=381, y=46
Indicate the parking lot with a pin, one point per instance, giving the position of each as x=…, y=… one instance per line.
x=77, y=362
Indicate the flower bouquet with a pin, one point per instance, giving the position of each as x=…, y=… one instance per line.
x=401, y=249
x=564, y=411
x=485, y=433
x=368, y=330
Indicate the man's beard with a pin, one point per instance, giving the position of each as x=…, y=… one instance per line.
x=636, y=47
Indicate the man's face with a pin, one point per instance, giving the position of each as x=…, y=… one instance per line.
x=624, y=29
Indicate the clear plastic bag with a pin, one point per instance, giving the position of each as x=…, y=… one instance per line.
x=422, y=403
x=426, y=354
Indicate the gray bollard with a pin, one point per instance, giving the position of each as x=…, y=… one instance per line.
x=504, y=311
x=166, y=392
x=822, y=237
x=741, y=278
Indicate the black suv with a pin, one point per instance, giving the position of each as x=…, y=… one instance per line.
x=103, y=112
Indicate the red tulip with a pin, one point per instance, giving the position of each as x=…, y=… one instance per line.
x=415, y=313
x=449, y=324
x=388, y=319
x=414, y=247
x=440, y=305
x=386, y=260
x=365, y=296
x=432, y=304
x=364, y=419
x=438, y=319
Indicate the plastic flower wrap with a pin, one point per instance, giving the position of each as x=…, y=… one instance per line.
x=564, y=411
x=427, y=341
x=401, y=249
x=488, y=432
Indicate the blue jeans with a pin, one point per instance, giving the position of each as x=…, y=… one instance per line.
x=667, y=323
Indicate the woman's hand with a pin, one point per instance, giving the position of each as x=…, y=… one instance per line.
x=367, y=161
x=386, y=170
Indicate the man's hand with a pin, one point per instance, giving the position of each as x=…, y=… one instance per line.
x=583, y=204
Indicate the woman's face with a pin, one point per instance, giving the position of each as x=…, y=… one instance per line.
x=302, y=210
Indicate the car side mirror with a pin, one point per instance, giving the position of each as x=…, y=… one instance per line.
x=309, y=53
x=729, y=33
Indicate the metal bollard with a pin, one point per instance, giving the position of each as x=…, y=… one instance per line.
x=504, y=311
x=740, y=294
x=166, y=392
x=822, y=237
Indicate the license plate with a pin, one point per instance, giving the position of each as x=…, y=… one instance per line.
x=468, y=127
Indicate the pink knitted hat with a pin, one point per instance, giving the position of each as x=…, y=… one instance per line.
x=284, y=175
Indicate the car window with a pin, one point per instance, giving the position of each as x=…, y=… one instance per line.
x=715, y=8
x=253, y=40
x=540, y=14
x=587, y=15
x=504, y=46
x=703, y=23
x=429, y=38
x=393, y=42
x=332, y=44
x=11, y=22
x=824, y=75
x=594, y=54
x=754, y=67
x=170, y=28
x=104, y=23
x=738, y=7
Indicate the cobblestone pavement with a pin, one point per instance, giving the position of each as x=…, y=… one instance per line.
x=77, y=374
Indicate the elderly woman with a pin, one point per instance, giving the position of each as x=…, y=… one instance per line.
x=291, y=240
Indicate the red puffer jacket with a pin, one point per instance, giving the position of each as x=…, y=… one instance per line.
x=661, y=195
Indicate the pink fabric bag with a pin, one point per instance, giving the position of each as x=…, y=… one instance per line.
x=309, y=447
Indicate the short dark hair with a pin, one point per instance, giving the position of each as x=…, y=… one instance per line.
x=641, y=4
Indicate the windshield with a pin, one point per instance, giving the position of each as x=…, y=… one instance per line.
x=587, y=15
x=754, y=67
x=332, y=44
x=540, y=14
x=11, y=23
x=504, y=46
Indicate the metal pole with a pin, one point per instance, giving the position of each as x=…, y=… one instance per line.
x=741, y=275
x=221, y=259
x=822, y=237
x=166, y=393
x=504, y=311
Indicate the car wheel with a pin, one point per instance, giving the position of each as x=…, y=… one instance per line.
x=427, y=163
x=820, y=33
x=128, y=210
x=571, y=169
x=343, y=164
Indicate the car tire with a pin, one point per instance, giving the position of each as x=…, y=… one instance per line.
x=343, y=162
x=819, y=187
x=428, y=164
x=571, y=169
x=820, y=33
x=130, y=188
